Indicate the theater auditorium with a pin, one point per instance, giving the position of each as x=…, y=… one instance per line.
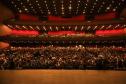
x=62, y=41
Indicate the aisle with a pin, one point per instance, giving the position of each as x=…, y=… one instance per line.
x=62, y=77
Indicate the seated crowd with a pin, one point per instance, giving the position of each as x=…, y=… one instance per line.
x=55, y=57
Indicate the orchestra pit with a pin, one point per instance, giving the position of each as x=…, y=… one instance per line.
x=62, y=41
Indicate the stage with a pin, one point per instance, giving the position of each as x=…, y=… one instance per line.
x=62, y=77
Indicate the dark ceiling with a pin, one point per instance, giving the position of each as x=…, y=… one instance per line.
x=65, y=8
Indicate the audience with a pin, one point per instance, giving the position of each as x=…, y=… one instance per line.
x=55, y=57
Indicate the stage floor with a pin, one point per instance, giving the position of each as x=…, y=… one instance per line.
x=62, y=77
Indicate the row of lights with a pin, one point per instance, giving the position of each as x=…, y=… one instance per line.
x=28, y=6
x=51, y=28
x=57, y=42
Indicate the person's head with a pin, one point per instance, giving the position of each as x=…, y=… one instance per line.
x=4, y=31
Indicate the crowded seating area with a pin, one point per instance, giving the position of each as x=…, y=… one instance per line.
x=59, y=57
